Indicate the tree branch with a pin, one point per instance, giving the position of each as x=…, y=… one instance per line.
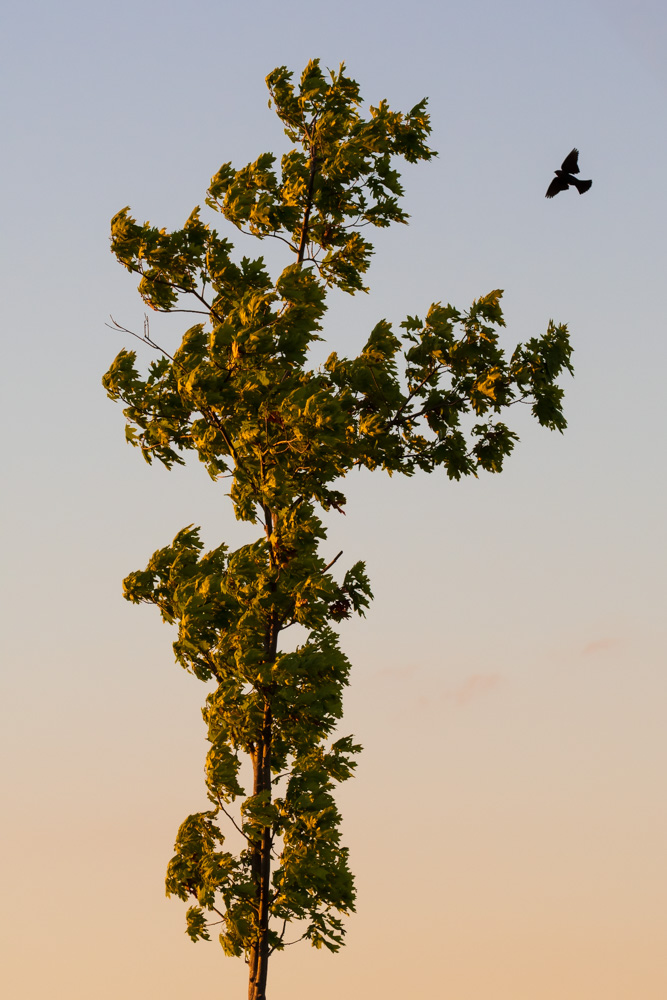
x=335, y=559
x=309, y=204
x=145, y=339
x=231, y=819
x=205, y=411
x=412, y=394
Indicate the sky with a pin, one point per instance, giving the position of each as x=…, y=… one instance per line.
x=508, y=819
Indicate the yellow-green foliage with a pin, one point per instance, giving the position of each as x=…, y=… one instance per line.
x=239, y=393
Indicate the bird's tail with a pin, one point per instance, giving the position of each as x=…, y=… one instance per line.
x=581, y=186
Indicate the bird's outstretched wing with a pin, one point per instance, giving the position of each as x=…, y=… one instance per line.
x=557, y=184
x=571, y=162
x=581, y=186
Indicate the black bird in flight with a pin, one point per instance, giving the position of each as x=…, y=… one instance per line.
x=565, y=176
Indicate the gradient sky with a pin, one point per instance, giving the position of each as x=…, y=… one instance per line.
x=508, y=822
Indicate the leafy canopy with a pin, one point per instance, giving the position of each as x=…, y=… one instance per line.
x=241, y=394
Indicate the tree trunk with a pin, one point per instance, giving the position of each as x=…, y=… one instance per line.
x=261, y=864
x=258, y=958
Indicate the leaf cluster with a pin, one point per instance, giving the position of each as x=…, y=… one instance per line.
x=338, y=178
x=223, y=605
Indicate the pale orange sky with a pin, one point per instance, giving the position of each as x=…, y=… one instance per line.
x=508, y=821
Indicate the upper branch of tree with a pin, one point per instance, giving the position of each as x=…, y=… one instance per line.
x=413, y=392
x=206, y=411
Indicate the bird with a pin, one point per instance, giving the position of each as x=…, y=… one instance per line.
x=565, y=176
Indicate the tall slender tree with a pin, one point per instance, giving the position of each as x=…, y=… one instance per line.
x=239, y=393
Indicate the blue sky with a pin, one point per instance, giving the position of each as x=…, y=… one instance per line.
x=509, y=682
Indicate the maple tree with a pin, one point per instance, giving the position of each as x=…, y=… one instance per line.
x=239, y=392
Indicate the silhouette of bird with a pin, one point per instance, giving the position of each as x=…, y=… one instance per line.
x=565, y=176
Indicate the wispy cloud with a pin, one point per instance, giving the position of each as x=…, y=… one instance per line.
x=600, y=646
x=475, y=686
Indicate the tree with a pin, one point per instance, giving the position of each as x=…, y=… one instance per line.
x=239, y=393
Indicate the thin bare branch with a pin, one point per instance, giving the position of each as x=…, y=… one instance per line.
x=335, y=559
x=231, y=819
x=280, y=940
x=286, y=944
x=283, y=240
x=145, y=338
x=196, y=312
